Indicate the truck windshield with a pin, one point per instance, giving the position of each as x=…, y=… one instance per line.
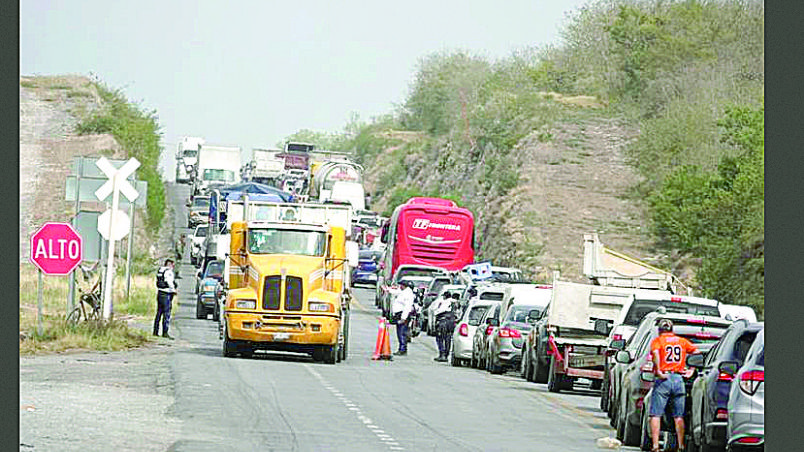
x=218, y=175
x=190, y=153
x=199, y=201
x=286, y=241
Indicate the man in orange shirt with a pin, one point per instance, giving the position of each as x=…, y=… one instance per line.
x=669, y=353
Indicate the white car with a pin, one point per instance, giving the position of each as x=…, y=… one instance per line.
x=197, y=243
x=465, y=331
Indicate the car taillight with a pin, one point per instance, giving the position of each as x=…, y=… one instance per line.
x=488, y=329
x=749, y=440
x=510, y=332
x=723, y=376
x=463, y=330
x=722, y=414
x=617, y=337
x=750, y=381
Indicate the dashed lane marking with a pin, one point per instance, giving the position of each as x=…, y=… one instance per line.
x=386, y=439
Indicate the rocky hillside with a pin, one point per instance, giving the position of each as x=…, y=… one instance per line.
x=50, y=109
x=574, y=182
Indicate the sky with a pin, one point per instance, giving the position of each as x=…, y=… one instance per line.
x=250, y=73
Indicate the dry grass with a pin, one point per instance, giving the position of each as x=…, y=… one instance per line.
x=59, y=336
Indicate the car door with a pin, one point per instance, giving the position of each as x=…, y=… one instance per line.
x=487, y=339
x=477, y=338
x=698, y=392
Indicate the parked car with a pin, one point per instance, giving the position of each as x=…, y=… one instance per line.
x=490, y=321
x=208, y=289
x=505, y=342
x=636, y=377
x=198, y=211
x=465, y=331
x=430, y=294
x=632, y=313
x=710, y=389
x=367, y=266
x=745, y=428
x=429, y=315
x=197, y=243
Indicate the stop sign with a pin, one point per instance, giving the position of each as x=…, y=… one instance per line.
x=56, y=248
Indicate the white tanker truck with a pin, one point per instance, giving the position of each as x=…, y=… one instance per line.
x=338, y=180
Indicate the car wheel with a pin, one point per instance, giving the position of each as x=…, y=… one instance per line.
x=631, y=433
x=473, y=361
x=216, y=313
x=540, y=370
x=455, y=361
x=704, y=446
x=620, y=429
x=200, y=312
x=604, y=395
x=646, y=443
x=527, y=367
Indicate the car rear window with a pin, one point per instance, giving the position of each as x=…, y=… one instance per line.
x=520, y=313
x=743, y=345
x=493, y=296
x=476, y=314
x=640, y=308
x=699, y=334
x=761, y=358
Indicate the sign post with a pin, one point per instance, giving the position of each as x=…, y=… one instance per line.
x=56, y=249
x=113, y=224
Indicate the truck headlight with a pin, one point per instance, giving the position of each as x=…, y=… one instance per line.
x=320, y=306
x=246, y=304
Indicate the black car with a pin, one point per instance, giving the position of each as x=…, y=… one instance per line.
x=710, y=390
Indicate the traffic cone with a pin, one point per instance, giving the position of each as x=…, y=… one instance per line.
x=381, y=331
x=386, y=345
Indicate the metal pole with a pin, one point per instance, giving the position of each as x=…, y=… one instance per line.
x=130, y=246
x=107, y=289
x=40, y=307
x=71, y=294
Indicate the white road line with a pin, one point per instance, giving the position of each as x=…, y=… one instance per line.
x=388, y=440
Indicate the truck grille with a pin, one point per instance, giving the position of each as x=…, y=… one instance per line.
x=270, y=293
x=293, y=293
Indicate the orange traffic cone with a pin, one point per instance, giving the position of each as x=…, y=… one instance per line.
x=378, y=344
x=386, y=345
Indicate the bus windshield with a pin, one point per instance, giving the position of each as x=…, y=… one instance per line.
x=286, y=241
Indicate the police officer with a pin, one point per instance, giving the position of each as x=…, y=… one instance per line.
x=400, y=310
x=166, y=290
x=669, y=353
x=444, y=325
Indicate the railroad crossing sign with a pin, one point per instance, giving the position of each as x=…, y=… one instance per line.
x=56, y=248
x=114, y=229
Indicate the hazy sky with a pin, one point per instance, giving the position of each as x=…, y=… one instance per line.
x=250, y=73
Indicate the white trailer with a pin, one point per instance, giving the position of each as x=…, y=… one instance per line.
x=217, y=165
x=187, y=158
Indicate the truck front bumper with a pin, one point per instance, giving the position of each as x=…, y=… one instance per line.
x=264, y=330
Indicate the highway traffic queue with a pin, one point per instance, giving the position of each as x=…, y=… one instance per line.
x=277, y=263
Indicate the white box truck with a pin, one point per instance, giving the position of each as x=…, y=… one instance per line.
x=187, y=158
x=217, y=165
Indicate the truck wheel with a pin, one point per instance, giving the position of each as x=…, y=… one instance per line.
x=539, y=370
x=200, y=312
x=228, y=345
x=527, y=367
x=318, y=354
x=331, y=355
x=553, y=378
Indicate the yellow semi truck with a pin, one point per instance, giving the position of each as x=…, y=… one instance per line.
x=289, y=269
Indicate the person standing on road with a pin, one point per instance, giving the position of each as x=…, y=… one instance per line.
x=400, y=310
x=166, y=290
x=669, y=353
x=444, y=325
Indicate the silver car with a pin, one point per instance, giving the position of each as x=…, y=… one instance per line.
x=465, y=331
x=746, y=408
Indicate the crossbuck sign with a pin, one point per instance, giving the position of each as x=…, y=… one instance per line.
x=113, y=224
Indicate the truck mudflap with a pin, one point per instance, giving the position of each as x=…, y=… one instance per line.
x=287, y=329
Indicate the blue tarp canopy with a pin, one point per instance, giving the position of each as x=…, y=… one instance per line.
x=264, y=197
x=252, y=188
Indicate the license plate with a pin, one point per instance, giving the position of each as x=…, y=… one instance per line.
x=281, y=336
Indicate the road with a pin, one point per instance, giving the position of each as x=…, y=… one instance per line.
x=283, y=401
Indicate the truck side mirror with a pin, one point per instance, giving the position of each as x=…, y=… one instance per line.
x=602, y=327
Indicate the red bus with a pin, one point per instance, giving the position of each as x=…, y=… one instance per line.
x=431, y=232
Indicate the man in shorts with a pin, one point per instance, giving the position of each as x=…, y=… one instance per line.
x=669, y=353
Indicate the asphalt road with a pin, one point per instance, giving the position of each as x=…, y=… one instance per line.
x=183, y=395
x=283, y=401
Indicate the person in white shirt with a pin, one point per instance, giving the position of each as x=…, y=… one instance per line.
x=166, y=290
x=445, y=323
x=401, y=308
